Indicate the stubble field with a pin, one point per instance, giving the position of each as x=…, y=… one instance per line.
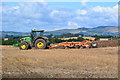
x=60, y=63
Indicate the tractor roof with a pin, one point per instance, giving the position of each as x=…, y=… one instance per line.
x=37, y=30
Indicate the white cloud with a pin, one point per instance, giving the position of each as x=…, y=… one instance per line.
x=23, y=1
x=41, y=16
x=60, y=13
x=0, y=9
x=98, y=16
x=107, y=15
x=72, y=23
x=84, y=2
x=115, y=7
x=15, y=7
x=106, y=9
x=54, y=12
x=81, y=12
x=39, y=0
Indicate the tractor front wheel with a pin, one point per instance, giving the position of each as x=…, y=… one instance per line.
x=40, y=44
x=23, y=46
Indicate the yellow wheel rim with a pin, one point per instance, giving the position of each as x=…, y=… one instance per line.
x=23, y=46
x=40, y=44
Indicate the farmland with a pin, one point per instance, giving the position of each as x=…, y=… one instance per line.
x=60, y=63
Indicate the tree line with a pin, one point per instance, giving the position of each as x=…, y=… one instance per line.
x=56, y=38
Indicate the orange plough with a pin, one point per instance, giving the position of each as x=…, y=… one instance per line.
x=83, y=44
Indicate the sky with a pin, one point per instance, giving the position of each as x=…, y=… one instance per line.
x=49, y=16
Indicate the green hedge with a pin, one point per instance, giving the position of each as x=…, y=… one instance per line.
x=114, y=38
x=9, y=42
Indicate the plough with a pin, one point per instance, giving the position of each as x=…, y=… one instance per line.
x=83, y=44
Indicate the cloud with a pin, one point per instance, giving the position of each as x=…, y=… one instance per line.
x=23, y=1
x=105, y=9
x=96, y=16
x=33, y=15
x=54, y=12
x=84, y=3
x=41, y=16
x=81, y=12
x=109, y=15
x=73, y=24
x=60, y=15
x=39, y=0
x=21, y=16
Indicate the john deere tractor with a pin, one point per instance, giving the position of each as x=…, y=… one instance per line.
x=35, y=40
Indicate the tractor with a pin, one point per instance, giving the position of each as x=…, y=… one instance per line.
x=36, y=40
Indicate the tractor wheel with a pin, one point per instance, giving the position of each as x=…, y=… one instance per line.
x=40, y=44
x=23, y=46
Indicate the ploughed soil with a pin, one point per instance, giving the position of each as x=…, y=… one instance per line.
x=108, y=43
x=60, y=63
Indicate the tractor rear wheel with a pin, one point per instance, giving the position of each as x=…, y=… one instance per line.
x=23, y=46
x=40, y=44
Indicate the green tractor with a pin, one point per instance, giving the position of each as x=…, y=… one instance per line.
x=35, y=40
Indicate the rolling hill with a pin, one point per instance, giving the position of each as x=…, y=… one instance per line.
x=101, y=30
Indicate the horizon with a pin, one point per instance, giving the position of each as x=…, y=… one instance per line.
x=59, y=29
x=51, y=16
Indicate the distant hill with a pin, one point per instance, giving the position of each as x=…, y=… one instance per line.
x=100, y=30
x=4, y=33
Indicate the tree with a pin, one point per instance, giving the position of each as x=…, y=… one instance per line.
x=49, y=36
x=80, y=39
x=97, y=38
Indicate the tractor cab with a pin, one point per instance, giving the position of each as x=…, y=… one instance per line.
x=36, y=33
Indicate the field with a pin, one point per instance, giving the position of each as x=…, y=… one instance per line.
x=90, y=38
x=60, y=63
